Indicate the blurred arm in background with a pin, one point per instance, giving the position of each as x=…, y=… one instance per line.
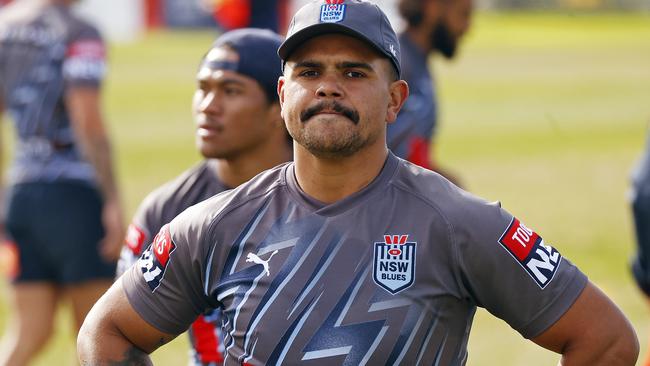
x=84, y=106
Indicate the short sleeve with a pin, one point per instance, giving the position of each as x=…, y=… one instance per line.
x=165, y=286
x=138, y=235
x=85, y=59
x=512, y=272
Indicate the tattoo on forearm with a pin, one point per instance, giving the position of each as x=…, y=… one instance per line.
x=99, y=154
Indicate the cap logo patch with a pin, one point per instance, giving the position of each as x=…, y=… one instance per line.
x=332, y=12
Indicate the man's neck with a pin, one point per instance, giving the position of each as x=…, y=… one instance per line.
x=331, y=180
x=235, y=171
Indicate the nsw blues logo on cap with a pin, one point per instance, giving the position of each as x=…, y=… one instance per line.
x=333, y=11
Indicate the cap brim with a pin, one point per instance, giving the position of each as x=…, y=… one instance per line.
x=303, y=35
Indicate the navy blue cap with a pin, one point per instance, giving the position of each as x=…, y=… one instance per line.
x=257, y=57
x=357, y=18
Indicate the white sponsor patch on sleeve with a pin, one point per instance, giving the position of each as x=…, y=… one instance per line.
x=539, y=260
x=85, y=60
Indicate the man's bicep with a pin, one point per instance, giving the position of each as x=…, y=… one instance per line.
x=135, y=328
x=592, y=331
x=113, y=331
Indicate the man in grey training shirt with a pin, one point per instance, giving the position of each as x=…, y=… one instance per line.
x=240, y=133
x=350, y=255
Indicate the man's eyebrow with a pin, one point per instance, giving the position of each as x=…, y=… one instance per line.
x=308, y=64
x=220, y=82
x=355, y=65
x=340, y=65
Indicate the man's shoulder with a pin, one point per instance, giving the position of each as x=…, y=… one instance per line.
x=249, y=195
x=183, y=185
x=81, y=29
x=435, y=190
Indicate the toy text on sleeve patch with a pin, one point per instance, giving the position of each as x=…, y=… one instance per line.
x=539, y=260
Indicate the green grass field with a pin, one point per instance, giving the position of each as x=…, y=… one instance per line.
x=545, y=112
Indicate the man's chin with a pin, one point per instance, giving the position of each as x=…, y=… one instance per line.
x=210, y=152
x=330, y=153
x=329, y=118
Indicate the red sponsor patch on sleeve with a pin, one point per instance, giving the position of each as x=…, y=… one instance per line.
x=162, y=245
x=519, y=239
x=135, y=238
x=89, y=49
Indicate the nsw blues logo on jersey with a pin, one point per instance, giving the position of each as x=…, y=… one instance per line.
x=153, y=261
x=394, y=263
x=332, y=12
x=541, y=261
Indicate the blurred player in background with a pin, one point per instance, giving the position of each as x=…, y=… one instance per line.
x=640, y=202
x=63, y=209
x=432, y=26
x=240, y=133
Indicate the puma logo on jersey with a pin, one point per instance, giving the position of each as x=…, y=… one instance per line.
x=252, y=257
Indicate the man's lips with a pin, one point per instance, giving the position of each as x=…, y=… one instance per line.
x=207, y=130
x=329, y=112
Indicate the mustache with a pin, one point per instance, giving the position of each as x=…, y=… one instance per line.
x=308, y=113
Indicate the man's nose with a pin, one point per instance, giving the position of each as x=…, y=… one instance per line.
x=210, y=103
x=330, y=87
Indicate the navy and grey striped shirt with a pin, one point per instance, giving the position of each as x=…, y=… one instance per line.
x=44, y=51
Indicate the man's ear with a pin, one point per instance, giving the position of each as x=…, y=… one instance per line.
x=281, y=91
x=399, y=91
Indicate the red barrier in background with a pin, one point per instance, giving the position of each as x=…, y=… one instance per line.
x=153, y=13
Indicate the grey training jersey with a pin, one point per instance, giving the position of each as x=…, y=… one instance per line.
x=163, y=204
x=43, y=52
x=390, y=275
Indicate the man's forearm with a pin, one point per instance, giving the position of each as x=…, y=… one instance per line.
x=621, y=352
x=92, y=137
x=130, y=357
x=98, y=153
x=100, y=343
x=114, y=334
